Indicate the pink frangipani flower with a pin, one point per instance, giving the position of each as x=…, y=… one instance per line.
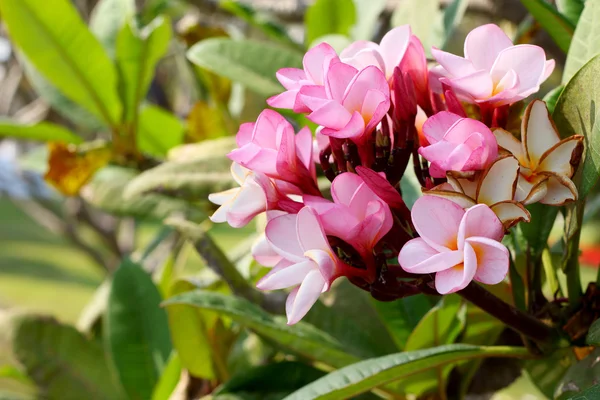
x=493, y=70
x=351, y=104
x=457, y=144
x=356, y=215
x=270, y=146
x=316, y=63
x=308, y=263
x=457, y=245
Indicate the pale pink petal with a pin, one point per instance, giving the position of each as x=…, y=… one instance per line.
x=483, y=45
x=244, y=134
x=223, y=197
x=436, y=73
x=380, y=186
x=417, y=257
x=288, y=276
x=332, y=115
x=263, y=253
x=289, y=302
x=267, y=123
x=249, y=202
x=393, y=47
x=477, y=85
x=527, y=61
x=455, y=65
x=375, y=107
x=304, y=147
x=310, y=233
x=368, y=56
x=307, y=295
x=356, y=47
x=256, y=158
x=414, y=63
x=457, y=278
x=286, y=100
x=290, y=77
x=549, y=68
x=479, y=220
x=437, y=221
x=354, y=129
x=344, y=186
x=339, y=77
x=316, y=61
x=492, y=260
x=376, y=224
x=436, y=126
x=539, y=133
x=370, y=78
x=281, y=234
x=312, y=97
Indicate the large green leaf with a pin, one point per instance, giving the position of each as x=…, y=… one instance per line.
x=169, y=379
x=580, y=376
x=137, y=53
x=571, y=9
x=56, y=50
x=192, y=178
x=45, y=131
x=369, y=374
x=301, y=338
x=62, y=362
x=453, y=14
x=588, y=394
x=251, y=63
x=547, y=372
x=576, y=112
x=107, y=19
x=402, y=316
x=325, y=17
x=425, y=20
x=558, y=27
x=586, y=40
x=538, y=230
x=593, y=336
x=367, y=15
x=552, y=97
x=158, y=131
x=136, y=332
x=106, y=191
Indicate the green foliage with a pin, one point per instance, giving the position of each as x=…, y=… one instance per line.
x=168, y=379
x=367, y=14
x=552, y=97
x=158, y=131
x=369, y=374
x=108, y=18
x=537, y=232
x=576, y=112
x=62, y=362
x=251, y=63
x=586, y=40
x=45, y=131
x=558, y=27
x=136, y=333
x=301, y=338
x=546, y=373
x=453, y=14
x=593, y=336
x=580, y=376
x=571, y=9
x=55, y=50
x=137, y=53
x=325, y=17
x=588, y=394
x=425, y=19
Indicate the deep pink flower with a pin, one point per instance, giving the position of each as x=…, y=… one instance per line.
x=356, y=215
x=308, y=263
x=270, y=146
x=316, y=63
x=457, y=144
x=493, y=70
x=457, y=245
x=351, y=103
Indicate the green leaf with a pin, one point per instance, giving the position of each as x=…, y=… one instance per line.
x=453, y=14
x=335, y=40
x=552, y=97
x=588, y=394
x=301, y=338
x=107, y=19
x=136, y=330
x=56, y=51
x=575, y=113
x=15, y=373
x=291, y=375
x=169, y=379
x=593, y=336
x=537, y=231
x=62, y=362
x=571, y=9
x=367, y=14
x=586, y=40
x=137, y=53
x=403, y=315
x=580, y=376
x=545, y=373
x=106, y=189
x=45, y=131
x=207, y=172
x=189, y=331
x=251, y=63
x=425, y=20
x=558, y=27
x=369, y=374
x=159, y=131
x=325, y=17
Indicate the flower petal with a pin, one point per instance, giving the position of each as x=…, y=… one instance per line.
x=456, y=66
x=499, y=181
x=287, y=276
x=344, y=186
x=437, y=221
x=527, y=61
x=457, y=278
x=317, y=60
x=393, y=46
x=339, y=77
x=479, y=220
x=538, y=132
x=561, y=190
x=436, y=126
x=483, y=45
x=459, y=198
x=310, y=232
x=370, y=78
x=331, y=115
x=563, y=157
x=307, y=295
x=417, y=257
x=507, y=141
x=263, y=253
x=281, y=234
x=477, y=86
x=510, y=213
x=290, y=77
x=492, y=260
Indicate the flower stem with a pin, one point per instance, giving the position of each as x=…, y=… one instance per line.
x=514, y=318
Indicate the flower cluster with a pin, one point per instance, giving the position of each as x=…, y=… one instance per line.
x=378, y=106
